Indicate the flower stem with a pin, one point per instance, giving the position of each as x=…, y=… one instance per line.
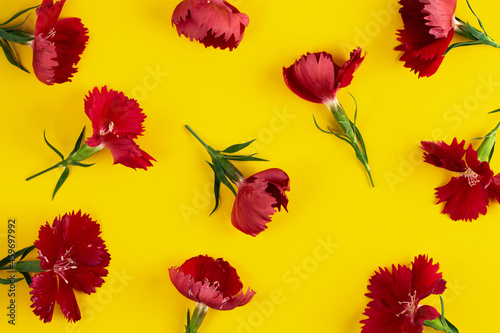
x=196, y=319
x=196, y=136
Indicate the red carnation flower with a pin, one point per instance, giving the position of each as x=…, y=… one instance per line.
x=57, y=45
x=468, y=194
x=117, y=121
x=317, y=78
x=258, y=197
x=214, y=23
x=72, y=256
x=213, y=282
x=396, y=295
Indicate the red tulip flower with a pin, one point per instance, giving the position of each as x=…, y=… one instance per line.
x=395, y=296
x=468, y=194
x=429, y=27
x=257, y=200
x=317, y=78
x=214, y=23
x=212, y=283
x=57, y=44
x=257, y=196
x=72, y=256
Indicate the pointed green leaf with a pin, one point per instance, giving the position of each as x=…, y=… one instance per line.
x=216, y=188
x=8, y=281
x=18, y=25
x=18, y=14
x=61, y=181
x=460, y=44
x=244, y=158
x=494, y=111
x=10, y=55
x=322, y=130
x=27, y=277
x=16, y=36
x=219, y=172
x=237, y=147
x=22, y=253
x=478, y=20
x=80, y=164
x=78, y=141
x=52, y=147
x=491, y=153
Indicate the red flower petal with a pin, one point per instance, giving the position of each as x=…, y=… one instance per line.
x=426, y=279
x=67, y=301
x=316, y=78
x=442, y=155
x=213, y=23
x=44, y=295
x=441, y=14
x=257, y=198
x=463, y=201
x=212, y=282
x=57, y=45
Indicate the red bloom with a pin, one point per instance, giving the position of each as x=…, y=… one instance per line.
x=468, y=194
x=428, y=31
x=72, y=256
x=212, y=282
x=214, y=23
x=396, y=295
x=258, y=197
x=117, y=121
x=317, y=78
x=57, y=45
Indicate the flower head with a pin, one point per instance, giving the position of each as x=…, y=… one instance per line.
x=213, y=282
x=72, y=256
x=317, y=78
x=428, y=31
x=257, y=199
x=57, y=44
x=466, y=195
x=396, y=294
x=214, y=23
x=117, y=121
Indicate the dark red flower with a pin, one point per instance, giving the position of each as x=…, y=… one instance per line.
x=396, y=295
x=210, y=281
x=257, y=199
x=117, y=121
x=214, y=23
x=72, y=256
x=428, y=31
x=466, y=195
x=317, y=78
x=57, y=45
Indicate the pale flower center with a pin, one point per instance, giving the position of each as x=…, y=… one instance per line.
x=410, y=306
x=63, y=264
x=108, y=130
x=471, y=176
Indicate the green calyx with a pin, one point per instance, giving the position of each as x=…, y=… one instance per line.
x=13, y=35
x=10, y=265
x=351, y=134
x=224, y=171
x=79, y=153
x=475, y=36
x=441, y=323
x=194, y=322
x=485, y=150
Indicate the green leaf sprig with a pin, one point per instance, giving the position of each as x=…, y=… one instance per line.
x=224, y=171
x=23, y=267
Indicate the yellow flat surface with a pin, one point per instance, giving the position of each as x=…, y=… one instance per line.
x=311, y=267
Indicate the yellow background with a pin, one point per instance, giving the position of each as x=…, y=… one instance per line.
x=152, y=220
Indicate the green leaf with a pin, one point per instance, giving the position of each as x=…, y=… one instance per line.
x=18, y=25
x=244, y=158
x=237, y=147
x=78, y=141
x=219, y=172
x=61, y=181
x=491, y=153
x=10, y=55
x=27, y=277
x=8, y=281
x=460, y=44
x=216, y=188
x=52, y=147
x=494, y=111
x=16, y=36
x=18, y=14
x=478, y=20
x=23, y=253
x=80, y=164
